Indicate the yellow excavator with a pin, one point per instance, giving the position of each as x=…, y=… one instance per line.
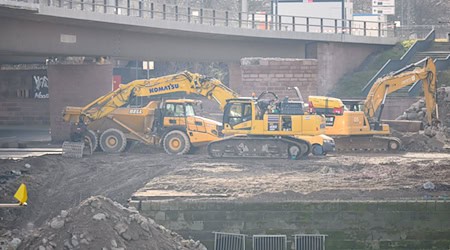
x=270, y=128
x=136, y=112
x=357, y=125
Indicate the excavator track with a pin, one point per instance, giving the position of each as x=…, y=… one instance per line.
x=369, y=143
x=240, y=146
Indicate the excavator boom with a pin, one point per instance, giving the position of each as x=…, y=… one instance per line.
x=185, y=82
x=373, y=105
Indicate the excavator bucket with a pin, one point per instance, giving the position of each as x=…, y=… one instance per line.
x=21, y=195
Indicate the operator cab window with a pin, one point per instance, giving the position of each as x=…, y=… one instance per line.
x=175, y=109
x=190, y=110
x=239, y=113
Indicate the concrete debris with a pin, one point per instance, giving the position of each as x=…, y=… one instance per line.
x=64, y=213
x=27, y=165
x=57, y=223
x=16, y=172
x=109, y=226
x=99, y=216
x=14, y=243
x=428, y=185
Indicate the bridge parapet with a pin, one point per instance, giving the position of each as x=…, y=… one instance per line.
x=218, y=18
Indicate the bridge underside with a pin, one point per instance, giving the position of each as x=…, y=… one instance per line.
x=41, y=38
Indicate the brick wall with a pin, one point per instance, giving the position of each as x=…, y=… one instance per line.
x=17, y=105
x=26, y=111
x=348, y=224
x=276, y=74
x=74, y=85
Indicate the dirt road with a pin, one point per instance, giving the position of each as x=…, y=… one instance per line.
x=56, y=183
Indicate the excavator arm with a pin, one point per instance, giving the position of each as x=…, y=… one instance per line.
x=185, y=82
x=374, y=103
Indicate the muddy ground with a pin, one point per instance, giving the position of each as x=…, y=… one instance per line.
x=56, y=183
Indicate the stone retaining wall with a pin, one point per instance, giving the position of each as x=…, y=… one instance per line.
x=349, y=225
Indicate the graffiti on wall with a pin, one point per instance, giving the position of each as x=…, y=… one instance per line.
x=40, y=87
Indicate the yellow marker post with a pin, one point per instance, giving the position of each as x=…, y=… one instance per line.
x=21, y=195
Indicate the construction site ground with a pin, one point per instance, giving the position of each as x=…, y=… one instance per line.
x=56, y=183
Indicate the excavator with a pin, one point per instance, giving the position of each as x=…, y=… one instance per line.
x=138, y=112
x=270, y=128
x=357, y=126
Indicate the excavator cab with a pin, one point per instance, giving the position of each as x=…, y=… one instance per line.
x=238, y=114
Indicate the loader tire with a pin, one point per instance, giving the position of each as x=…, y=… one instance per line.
x=91, y=140
x=176, y=142
x=113, y=141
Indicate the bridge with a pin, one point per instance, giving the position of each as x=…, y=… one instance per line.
x=142, y=30
x=34, y=30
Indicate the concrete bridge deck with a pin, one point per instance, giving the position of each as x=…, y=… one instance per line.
x=142, y=32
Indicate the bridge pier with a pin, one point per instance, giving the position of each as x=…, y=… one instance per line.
x=74, y=85
x=337, y=59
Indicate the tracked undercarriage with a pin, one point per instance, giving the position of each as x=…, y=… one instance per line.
x=367, y=143
x=259, y=147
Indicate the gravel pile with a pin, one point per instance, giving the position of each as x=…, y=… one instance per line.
x=100, y=223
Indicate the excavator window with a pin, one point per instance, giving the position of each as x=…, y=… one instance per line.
x=238, y=113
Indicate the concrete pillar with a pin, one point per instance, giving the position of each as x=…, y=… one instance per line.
x=74, y=85
x=337, y=59
x=235, y=76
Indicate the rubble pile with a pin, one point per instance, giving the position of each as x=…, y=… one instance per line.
x=100, y=223
x=417, y=111
x=420, y=142
x=433, y=138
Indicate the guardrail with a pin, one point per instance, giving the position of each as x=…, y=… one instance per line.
x=394, y=65
x=211, y=17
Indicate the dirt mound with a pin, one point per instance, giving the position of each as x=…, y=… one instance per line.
x=100, y=223
x=421, y=142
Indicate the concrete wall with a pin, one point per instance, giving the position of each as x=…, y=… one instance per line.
x=276, y=74
x=349, y=225
x=25, y=111
x=17, y=103
x=337, y=59
x=74, y=85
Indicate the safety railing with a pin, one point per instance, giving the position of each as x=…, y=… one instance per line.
x=233, y=241
x=393, y=65
x=309, y=242
x=269, y=242
x=229, y=241
x=256, y=21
